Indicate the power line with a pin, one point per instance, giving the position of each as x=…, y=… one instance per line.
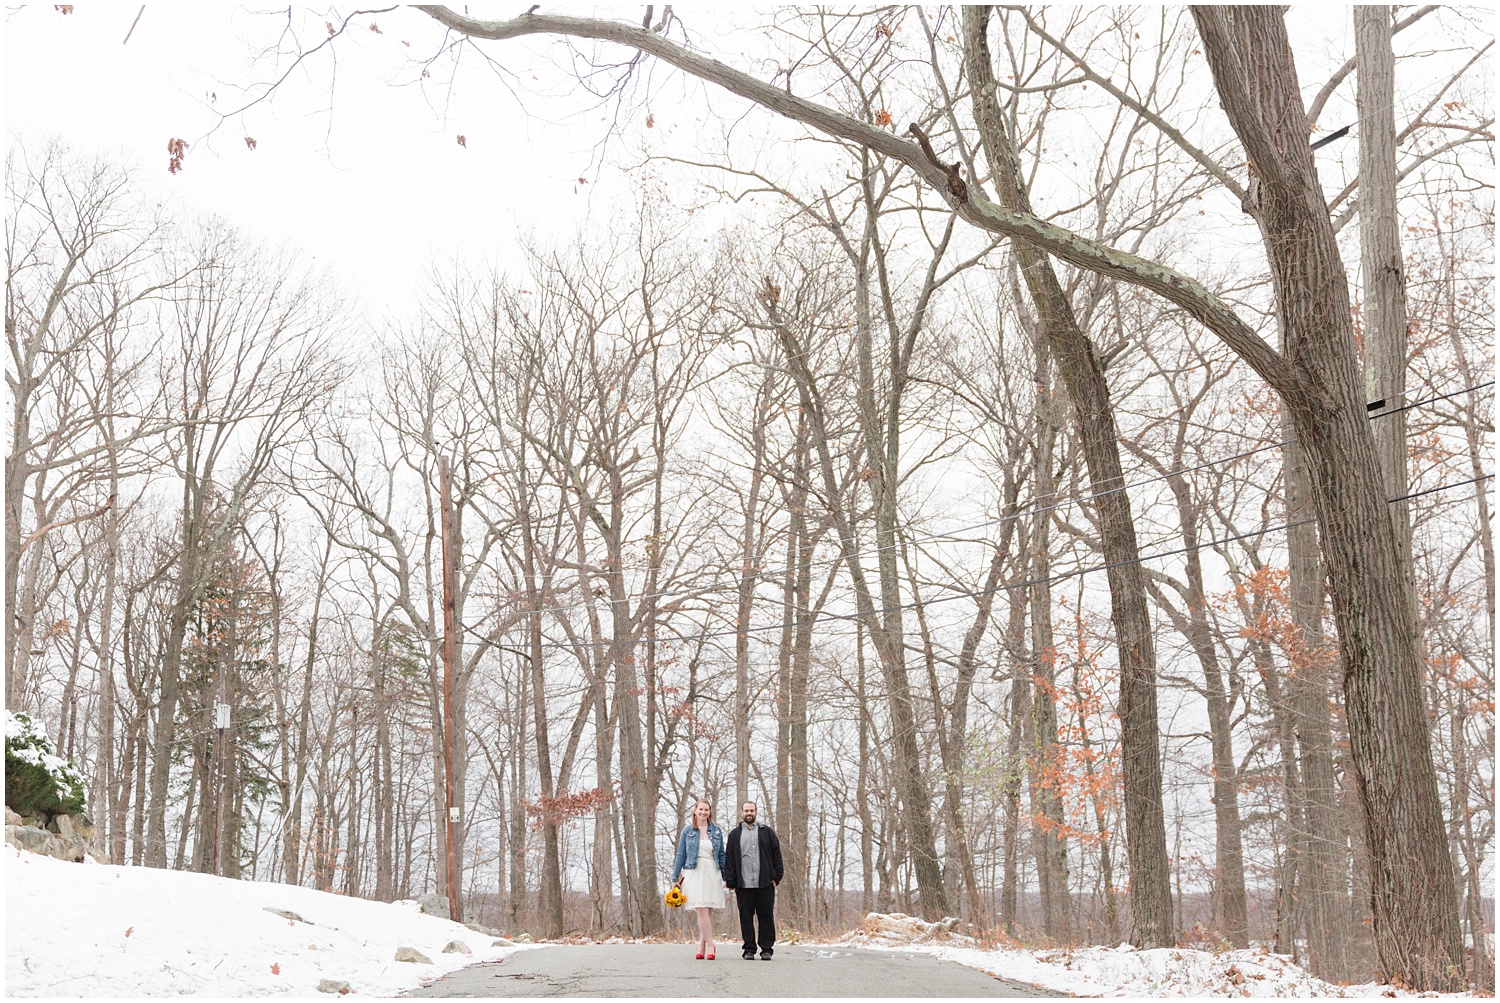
x=950, y=535
x=1031, y=583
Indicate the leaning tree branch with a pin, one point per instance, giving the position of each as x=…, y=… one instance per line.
x=1189, y=294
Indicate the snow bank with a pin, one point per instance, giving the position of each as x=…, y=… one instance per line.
x=1164, y=972
x=72, y=930
x=1111, y=971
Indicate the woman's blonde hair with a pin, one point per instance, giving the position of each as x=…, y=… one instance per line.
x=702, y=801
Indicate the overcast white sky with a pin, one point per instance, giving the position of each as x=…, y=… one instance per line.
x=363, y=170
x=377, y=189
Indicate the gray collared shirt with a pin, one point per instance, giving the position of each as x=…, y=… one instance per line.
x=750, y=855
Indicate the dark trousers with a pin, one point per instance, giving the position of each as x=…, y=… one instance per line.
x=757, y=904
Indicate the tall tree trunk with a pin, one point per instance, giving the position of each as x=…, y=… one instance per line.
x=1380, y=257
x=518, y=771
x=1101, y=825
x=193, y=559
x=794, y=823
x=601, y=880
x=138, y=815
x=382, y=780
x=862, y=781
x=291, y=837
x=747, y=583
x=166, y=713
x=1414, y=901
x=104, y=783
x=1015, y=767
x=796, y=501
x=550, y=906
x=1319, y=876
x=1229, y=859
x=883, y=619
x=1140, y=742
x=17, y=472
x=1049, y=827
x=968, y=663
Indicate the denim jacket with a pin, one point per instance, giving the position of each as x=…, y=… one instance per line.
x=687, y=849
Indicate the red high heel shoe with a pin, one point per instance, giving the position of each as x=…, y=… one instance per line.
x=698, y=956
x=710, y=957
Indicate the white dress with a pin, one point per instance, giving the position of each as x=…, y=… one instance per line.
x=704, y=885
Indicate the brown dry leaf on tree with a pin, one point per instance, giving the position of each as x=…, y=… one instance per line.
x=376, y=28
x=176, y=150
x=882, y=118
x=463, y=141
x=250, y=142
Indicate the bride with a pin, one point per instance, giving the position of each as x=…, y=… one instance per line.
x=699, y=871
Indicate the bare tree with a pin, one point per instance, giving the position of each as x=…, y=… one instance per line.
x=249, y=343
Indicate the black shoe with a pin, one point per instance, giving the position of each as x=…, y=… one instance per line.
x=764, y=955
x=749, y=955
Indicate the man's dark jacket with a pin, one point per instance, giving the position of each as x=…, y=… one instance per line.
x=770, y=856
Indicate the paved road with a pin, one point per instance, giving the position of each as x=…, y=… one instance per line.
x=670, y=970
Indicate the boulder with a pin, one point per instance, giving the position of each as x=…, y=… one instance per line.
x=502, y=942
x=71, y=849
x=83, y=826
x=288, y=914
x=413, y=955
x=29, y=837
x=434, y=905
x=523, y=938
x=332, y=986
x=62, y=825
x=11, y=818
x=39, y=840
x=457, y=947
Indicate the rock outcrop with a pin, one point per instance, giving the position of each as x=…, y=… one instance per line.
x=65, y=840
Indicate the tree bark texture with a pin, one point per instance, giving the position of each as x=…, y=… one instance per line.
x=1380, y=258
x=1413, y=898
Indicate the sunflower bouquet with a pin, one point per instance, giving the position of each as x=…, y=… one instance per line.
x=674, y=897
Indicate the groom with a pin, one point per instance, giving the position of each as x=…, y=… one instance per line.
x=752, y=867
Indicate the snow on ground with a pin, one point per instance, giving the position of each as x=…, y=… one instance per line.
x=1115, y=971
x=80, y=930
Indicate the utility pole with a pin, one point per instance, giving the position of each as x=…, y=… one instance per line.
x=221, y=726
x=450, y=639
